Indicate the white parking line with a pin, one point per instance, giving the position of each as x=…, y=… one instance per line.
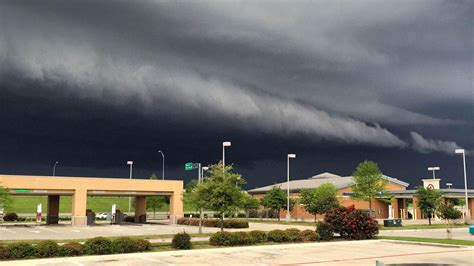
x=75, y=231
x=49, y=230
x=36, y=232
x=6, y=230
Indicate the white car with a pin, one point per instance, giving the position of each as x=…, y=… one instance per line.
x=102, y=215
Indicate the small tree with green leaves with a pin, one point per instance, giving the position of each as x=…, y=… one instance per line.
x=450, y=214
x=319, y=200
x=368, y=183
x=250, y=203
x=155, y=202
x=428, y=201
x=5, y=198
x=221, y=191
x=275, y=199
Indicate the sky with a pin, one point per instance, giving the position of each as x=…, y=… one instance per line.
x=93, y=84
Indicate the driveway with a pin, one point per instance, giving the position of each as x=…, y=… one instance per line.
x=58, y=232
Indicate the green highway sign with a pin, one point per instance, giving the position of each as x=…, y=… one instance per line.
x=188, y=166
x=22, y=190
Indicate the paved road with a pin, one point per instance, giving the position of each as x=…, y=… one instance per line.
x=68, y=232
x=334, y=253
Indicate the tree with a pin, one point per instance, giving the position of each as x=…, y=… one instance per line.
x=450, y=214
x=368, y=182
x=153, y=176
x=428, y=201
x=155, y=202
x=221, y=191
x=5, y=199
x=250, y=203
x=319, y=200
x=275, y=200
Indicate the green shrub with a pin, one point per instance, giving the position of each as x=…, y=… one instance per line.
x=258, y=236
x=20, y=250
x=243, y=238
x=10, y=217
x=129, y=219
x=277, y=236
x=324, y=231
x=181, y=241
x=98, y=246
x=142, y=245
x=4, y=255
x=293, y=235
x=228, y=223
x=309, y=235
x=124, y=245
x=223, y=239
x=71, y=249
x=47, y=249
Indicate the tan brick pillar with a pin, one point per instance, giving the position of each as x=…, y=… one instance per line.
x=176, y=207
x=416, y=208
x=394, y=203
x=53, y=209
x=140, y=209
x=78, y=212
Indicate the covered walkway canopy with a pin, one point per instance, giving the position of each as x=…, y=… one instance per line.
x=81, y=187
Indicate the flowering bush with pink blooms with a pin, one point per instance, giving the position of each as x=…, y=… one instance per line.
x=352, y=223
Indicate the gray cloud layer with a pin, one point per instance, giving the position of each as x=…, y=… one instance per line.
x=424, y=145
x=325, y=70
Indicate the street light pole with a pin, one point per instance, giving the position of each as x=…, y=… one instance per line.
x=54, y=168
x=129, y=198
x=224, y=144
x=434, y=168
x=461, y=151
x=163, y=173
x=288, y=215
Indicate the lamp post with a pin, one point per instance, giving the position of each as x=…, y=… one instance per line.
x=204, y=168
x=54, y=168
x=434, y=168
x=163, y=172
x=224, y=144
x=288, y=215
x=129, y=198
x=461, y=151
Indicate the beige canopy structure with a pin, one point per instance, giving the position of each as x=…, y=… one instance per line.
x=81, y=187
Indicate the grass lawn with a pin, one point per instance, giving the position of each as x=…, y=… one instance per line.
x=430, y=240
x=282, y=222
x=422, y=226
x=27, y=204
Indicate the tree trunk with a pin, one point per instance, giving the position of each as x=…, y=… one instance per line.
x=154, y=214
x=429, y=218
x=222, y=223
x=200, y=221
x=370, y=208
x=278, y=214
x=315, y=218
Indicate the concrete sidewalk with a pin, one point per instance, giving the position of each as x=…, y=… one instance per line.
x=365, y=252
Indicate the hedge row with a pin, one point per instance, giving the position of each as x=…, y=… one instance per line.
x=256, y=236
x=94, y=246
x=228, y=223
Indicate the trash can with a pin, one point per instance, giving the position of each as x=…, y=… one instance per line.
x=392, y=222
x=471, y=229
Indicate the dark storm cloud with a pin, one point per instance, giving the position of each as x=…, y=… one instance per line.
x=324, y=73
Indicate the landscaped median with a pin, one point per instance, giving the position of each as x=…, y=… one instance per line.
x=228, y=223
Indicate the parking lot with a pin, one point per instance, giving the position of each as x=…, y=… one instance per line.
x=335, y=253
x=81, y=232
